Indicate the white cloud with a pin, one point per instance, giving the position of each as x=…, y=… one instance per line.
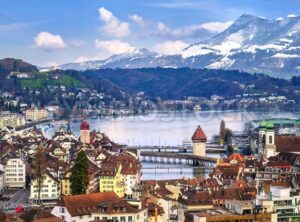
x=292, y=16
x=279, y=19
x=170, y=47
x=113, y=26
x=137, y=19
x=200, y=30
x=216, y=26
x=113, y=47
x=46, y=40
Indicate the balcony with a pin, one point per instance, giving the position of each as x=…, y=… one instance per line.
x=289, y=215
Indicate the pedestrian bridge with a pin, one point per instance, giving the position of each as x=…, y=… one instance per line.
x=210, y=148
x=178, y=158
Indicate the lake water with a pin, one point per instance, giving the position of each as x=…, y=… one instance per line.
x=170, y=128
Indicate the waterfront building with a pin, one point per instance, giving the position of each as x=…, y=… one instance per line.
x=199, y=142
x=36, y=114
x=8, y=119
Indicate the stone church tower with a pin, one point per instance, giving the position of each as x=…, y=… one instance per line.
x=85, y=132
x=267, y=138
x=199, y=139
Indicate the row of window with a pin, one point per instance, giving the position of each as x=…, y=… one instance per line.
x=45, y=191
x=14, y=175
x=14, y=179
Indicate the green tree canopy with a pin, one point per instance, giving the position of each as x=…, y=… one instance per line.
x=79, y=174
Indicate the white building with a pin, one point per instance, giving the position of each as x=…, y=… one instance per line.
x=14, y=173
x=98, y=206
x=11, y=119
x=282, y=202
x=50, y=191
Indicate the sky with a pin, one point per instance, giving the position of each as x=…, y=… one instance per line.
x=52, y=32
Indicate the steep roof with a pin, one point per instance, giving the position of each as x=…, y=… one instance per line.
x=287, y=143
x=236, y=156
x=78, y=205
x=199, y=135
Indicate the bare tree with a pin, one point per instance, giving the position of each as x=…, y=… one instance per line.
x=39, y=169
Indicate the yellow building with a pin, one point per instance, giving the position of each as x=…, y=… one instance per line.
x=36, y=114
x=111, y=178
x=66, y=184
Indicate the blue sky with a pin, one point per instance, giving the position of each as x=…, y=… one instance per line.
x=50, y=32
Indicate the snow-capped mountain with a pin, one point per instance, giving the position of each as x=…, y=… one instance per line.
x=250, y=44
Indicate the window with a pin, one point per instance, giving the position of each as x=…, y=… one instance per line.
x=62, y=210
x=270, y=139
x=129, y=218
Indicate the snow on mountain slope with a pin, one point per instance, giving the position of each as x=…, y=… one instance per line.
x=251, y=44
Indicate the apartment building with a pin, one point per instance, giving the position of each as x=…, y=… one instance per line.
x=14, y=172
x=11, y=119
x=50, y=191
x=36, y=114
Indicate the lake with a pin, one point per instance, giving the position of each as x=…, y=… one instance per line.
x=170, y=128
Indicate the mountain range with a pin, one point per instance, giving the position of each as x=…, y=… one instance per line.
x=252, y=44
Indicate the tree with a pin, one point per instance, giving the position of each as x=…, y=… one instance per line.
x=222, y=131
x=79, y=174
x=228, y=136
x=39, y=169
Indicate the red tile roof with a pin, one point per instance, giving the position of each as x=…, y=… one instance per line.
x=199, y=135
x=287, y=143
x=236, y=156
x=78, y=205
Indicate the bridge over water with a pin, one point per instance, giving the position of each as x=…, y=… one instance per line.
x=210, y=148
x=178, y=158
